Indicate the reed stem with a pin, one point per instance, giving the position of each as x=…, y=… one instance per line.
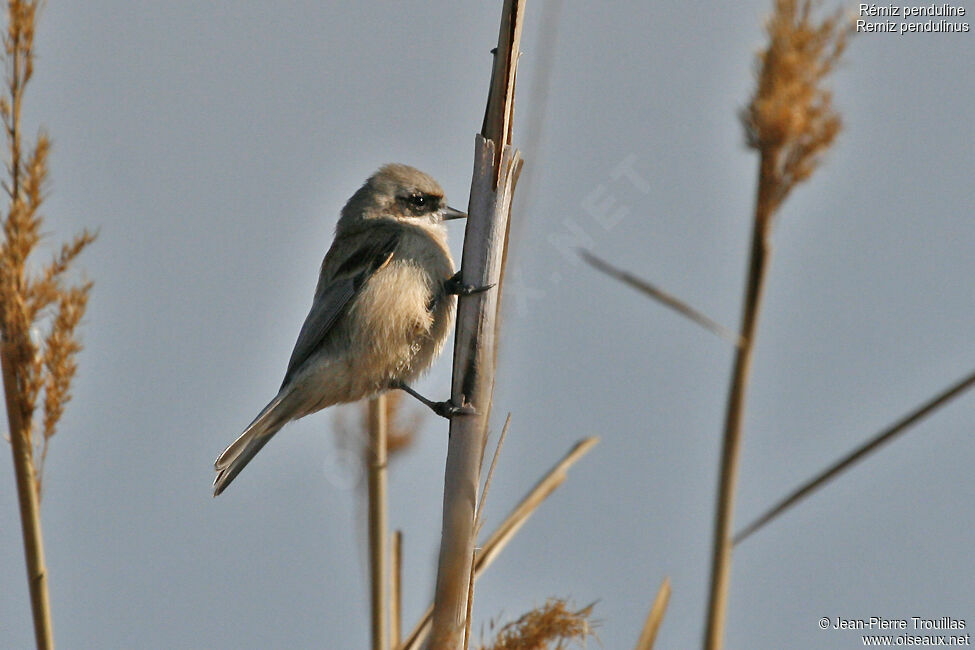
x=30, y=508
x=378, y=535
x=735, y=412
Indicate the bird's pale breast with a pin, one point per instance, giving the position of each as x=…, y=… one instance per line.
x=402, y=315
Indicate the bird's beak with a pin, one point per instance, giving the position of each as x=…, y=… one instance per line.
x=453, y=213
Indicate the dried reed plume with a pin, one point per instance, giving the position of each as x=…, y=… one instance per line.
x=790, y=121
x=39, y=302
x=551, y=626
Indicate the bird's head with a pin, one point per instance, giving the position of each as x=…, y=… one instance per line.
x=401, y=193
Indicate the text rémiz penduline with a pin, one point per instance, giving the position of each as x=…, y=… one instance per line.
x=917, y=27
x=904, y=11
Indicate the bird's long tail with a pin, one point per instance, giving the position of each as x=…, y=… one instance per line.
x=240, y=452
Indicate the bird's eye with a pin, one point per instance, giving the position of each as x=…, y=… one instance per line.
x=418, y=200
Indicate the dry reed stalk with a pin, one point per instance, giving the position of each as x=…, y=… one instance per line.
x=496, y=167
x=472, y=386
x=790, y=122
x=858, y=454
x=555, y=477
x=539, y=629
x=30, y=513
x=396, y=591
x=33, y=302
x=378, y=554
x=496, y=542
x=382, y=432
x=663, y=297
x=656, y=616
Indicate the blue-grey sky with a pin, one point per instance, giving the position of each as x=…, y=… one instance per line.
x=213, y=145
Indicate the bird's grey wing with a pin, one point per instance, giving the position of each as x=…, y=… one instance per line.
x=333, y=297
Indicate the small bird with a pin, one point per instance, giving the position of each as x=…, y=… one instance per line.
x=381, y=312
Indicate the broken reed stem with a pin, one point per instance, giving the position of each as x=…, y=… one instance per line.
x=30, y=510
x=656, y=616
x=735, y=413
x=396, y=591
x=663, y=298
x=858, y=454
x=496, y=167
x=473, y=385
x=555, y=477
x=378, y=534
x=496, y=542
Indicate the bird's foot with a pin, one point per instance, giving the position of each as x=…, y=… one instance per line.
x=448, y=409
x=454, y=285
x=445, y=409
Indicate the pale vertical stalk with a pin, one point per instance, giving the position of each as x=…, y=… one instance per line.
x=473, y=385
x=30, y=511
x=396, y=591
x=496, y=167
x=378, y=554
x=735, y=413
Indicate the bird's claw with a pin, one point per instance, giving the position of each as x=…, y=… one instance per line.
x=444, y=409
x=448, y=409
x=455, y=286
